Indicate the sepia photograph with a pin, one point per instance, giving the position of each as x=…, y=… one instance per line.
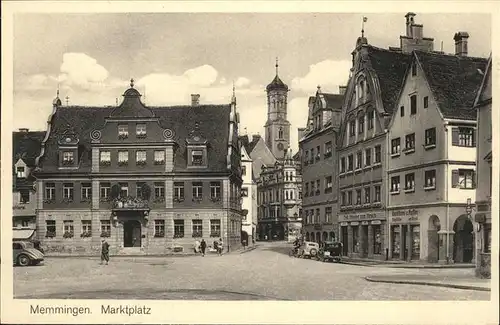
x=248, y=156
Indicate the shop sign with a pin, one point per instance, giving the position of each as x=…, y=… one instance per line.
x=376, y=222
x=354, y=223
x=18, y=207
x=364, y=223
x=344, y=223
x=363, y=216
x=403, y=213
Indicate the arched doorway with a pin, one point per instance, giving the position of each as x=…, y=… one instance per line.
x=463, y=240
x=132, y=233
x=433, y=239
x=312, y=237
x=244, y=237
x=307, y=236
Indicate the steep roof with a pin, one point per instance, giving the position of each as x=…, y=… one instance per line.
x=27, y=145
x=390, y=68
x=454, y=81
x=333, y=100
x=276, y=84
x=249, y=145
x=213, y=125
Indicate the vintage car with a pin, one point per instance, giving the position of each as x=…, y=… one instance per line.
x=308, y=249
x=330, y=251
x=24, y=253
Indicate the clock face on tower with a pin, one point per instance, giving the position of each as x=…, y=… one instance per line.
x=280, y=146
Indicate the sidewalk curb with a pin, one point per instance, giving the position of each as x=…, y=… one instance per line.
x=409, y=266
x=426, y=283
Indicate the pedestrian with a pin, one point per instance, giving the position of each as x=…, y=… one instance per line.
x=196, y=246
x=244, y=243
x=105, y=251
x=203, y=246
x=220, y=246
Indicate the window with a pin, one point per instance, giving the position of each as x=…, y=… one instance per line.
x=243, y=170
x=352, y=128
x=328, y=214
x=361, y=89
x=359, y=160
x=376, y=198
x=430, y=179
x=371, y=116
x=367, y=195
x=317, y=216
x=69, y=230
x=50, y=191
x=413, y=104
x=358, y=197
x=318, y=153
x=104, y=190
x=159, y=228
x=139, y=190
x=21, y=173
x=318, y=187
x=361, y=124
x=214, y=227
x=342, y=199
x=105, y=157
x=307, y=189
x=197, y=190
x=402, y=110
x=178, y=228
x=197, y=228
x=244, y=191
x=140, y=157
x=378, y=154
x=68, y=158
x=140, y=130
x=123, y=131
x=215, y=191
x=487, y=238
x=86, y=191
x=355, y=239
x=395, y=146
x=413, y=69
x=368, y=157
x=311, y=159
x=122, y=157
x=463, y=137
x=159, y=191
x=68, y=191
x=328, y=149
x=197, y=157
x=410, y=143
x=105, y=228
x=123, y=189
x=280, y=133
x=350, y=163
x=159, y=156
x=377, y=239
x=328, y=184
x=342, y=165
x=306, y=157
x=86, y=228
x=349, y=197
x=410, y=182
x=463, y=178
x=395, y=184
x=50, y=228
x=396, y=240
x=426, y=101
x=24, y=196
x=430, y=137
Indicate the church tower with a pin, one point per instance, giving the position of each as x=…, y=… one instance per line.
x=277, y=127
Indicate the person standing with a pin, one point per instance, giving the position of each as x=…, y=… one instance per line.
x=196, y=246
x=104, y=252
x=203, y=246
x=220, y=246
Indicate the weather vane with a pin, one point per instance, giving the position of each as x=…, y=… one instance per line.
x=365, y=19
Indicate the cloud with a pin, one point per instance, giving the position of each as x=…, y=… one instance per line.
x=202, y=76
x=241, y=82
x=328, y=74
x=79, y=69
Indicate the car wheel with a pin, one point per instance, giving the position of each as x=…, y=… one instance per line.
x=313, y=252
x=23, y=260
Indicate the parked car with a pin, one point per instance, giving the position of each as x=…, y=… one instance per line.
x=309, y=249
x=24, y=253
x=330, y=251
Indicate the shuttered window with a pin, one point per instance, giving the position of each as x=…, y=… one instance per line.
x=463, y=137
x=463, y=178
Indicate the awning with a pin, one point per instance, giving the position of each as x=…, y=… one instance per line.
x=22, y=234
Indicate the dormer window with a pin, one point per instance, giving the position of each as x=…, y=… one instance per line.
x=197, y=157
x=68, y=158
x=123, y=131
x=140, y=130
x=21, y=172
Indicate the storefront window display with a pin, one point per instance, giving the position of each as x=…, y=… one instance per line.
x=355, y=239
x=377, y=239
x=396, y=240
x=415, y=247
x=487, y=238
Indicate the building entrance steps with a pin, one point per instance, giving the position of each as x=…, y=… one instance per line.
x=466, y=282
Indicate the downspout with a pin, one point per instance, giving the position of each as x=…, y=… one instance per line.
x=447, y=193
x=386, y=193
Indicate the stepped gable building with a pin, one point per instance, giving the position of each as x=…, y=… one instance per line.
x=484, y=175
x=319, y=167
x=151, y=180
x=432, y=157
x=26, y=147
x=279, y=180
x=371, y=97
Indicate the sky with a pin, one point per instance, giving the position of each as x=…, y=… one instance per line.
x=92, y=57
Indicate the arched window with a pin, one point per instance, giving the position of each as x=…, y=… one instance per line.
x=361, y=89
x=286, y=195
x=361, y=124
x=280, y=133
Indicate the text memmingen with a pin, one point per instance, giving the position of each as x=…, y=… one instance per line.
x=59, y=310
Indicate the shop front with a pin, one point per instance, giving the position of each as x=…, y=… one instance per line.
x=405, y=235
x=363, y=234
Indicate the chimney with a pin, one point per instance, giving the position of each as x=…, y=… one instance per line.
x=461, y=43
x=417, y=31
x=195, y=99
x=409, y=22
x=342, y=90
x=24, y=130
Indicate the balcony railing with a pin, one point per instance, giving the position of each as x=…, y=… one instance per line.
x=130, y=203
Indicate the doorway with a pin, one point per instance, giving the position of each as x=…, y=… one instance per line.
x=132, y=233
x=404, y=242
x=463, y=241
x=364, y=247
x=345, y=240
x=433, y=239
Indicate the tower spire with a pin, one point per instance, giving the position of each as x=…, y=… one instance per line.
x=363, y=26
x=277, y=65
x=233, y=97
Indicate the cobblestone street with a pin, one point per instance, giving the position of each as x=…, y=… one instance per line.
x=262, y=274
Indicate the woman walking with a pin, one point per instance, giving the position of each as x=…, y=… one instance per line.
x=220, y=246
x=105, y=251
